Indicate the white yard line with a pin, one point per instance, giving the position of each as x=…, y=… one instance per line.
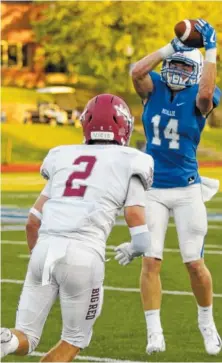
x=13, y=227
x=121, y=222
x=19, y=227
x=168, y=250
x=122, y=289
x=208, y=245
x=207, y=252
x=111, y=247
x=91, y=359
x=19, y=195
x=5, y=242
x=108, y=247
x=217, y=199
x=10, y=206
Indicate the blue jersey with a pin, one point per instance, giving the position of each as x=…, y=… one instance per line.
x=173, y=129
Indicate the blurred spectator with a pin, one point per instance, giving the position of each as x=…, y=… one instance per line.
x=3, y=116
x=76, y=117
x=53, y=114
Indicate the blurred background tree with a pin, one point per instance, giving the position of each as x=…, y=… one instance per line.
x=102, y=39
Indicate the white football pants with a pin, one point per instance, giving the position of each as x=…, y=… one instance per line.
x=190, y=217
x=60, y=267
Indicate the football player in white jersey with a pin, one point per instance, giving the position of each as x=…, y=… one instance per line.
x=69, y=224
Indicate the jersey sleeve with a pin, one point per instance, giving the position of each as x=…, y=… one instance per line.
x=46, y=191
x=136, y=193
x=216, y=96
x=48, y=165
x=155, y=78
x=142, y=166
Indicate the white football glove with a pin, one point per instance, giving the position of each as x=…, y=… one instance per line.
x=125, y=253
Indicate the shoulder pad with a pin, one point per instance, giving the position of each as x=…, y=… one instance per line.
x=142, y=166
x=46, y=168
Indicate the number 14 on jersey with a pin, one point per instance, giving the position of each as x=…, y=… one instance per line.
x=170, y=132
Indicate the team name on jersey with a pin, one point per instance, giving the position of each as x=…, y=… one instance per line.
x=168, y=112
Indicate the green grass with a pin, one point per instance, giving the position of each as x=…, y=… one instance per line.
x=22, y=151
x=120, y=331
x=212, y=138
x=21, y=95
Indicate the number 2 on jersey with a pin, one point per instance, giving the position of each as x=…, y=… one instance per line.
x=170, y=132
x=79, y=191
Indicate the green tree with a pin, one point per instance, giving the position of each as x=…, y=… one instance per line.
x=103, y=38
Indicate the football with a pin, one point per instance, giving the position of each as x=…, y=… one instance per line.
x=187, y=33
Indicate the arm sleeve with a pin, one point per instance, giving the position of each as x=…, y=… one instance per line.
x=216, y=99
x=46, y=191
x=216, y=96
x=154, y=76
x=155, y=79
x=136, y=193
x=142, y=166
x=48, y=165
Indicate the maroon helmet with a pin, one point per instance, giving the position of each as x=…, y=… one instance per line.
x=107, y=118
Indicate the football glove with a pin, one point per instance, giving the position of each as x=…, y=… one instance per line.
x=125, y=253
x=208, y=33
x=178, y=46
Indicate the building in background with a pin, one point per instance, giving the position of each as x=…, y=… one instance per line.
x=22, y=58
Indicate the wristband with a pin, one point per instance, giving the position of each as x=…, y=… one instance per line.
x=138, y=230
x=36, y=213
x=166, y=51
x=140, y=243
x=211, y=55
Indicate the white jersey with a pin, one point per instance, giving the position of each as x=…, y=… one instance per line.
x=88, y=186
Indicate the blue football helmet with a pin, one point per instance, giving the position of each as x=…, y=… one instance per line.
x=177, y=78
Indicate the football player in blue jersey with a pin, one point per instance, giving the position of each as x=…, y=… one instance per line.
x=176, y=105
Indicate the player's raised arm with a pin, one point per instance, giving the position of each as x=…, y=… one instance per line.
x=208, y=78
x=142, y=81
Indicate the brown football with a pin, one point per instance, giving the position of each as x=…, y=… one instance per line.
x=187, y=33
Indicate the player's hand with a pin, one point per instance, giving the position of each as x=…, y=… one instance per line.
x=178, y=46
x=125, y=253
x=208, y=33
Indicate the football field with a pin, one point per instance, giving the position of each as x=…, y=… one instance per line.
x=119, y=333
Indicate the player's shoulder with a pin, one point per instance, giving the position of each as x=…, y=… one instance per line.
x=158, y=85
x=141, y=160
x=49, y=162
x=141, y=165
x=132, y=156
x=55, y=150
x=137, y=153
x=155, y=76
x=62, y=148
